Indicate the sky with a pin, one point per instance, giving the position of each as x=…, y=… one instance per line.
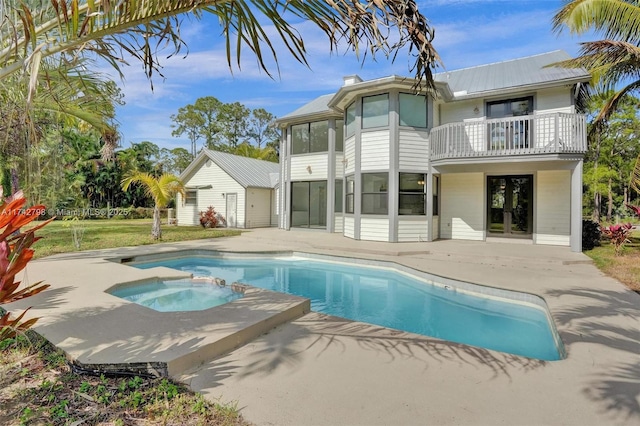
x=467, y=33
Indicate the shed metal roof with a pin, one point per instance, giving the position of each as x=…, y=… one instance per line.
x=248, y=172
x=509, y=74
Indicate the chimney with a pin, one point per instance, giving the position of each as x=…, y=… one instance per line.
x=351, y=79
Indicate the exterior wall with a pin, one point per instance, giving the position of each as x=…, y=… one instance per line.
x=412, y=228
x=317, y=163
x=462, y=206
x=374, y=229
x=210, y=174
x=435, y=227
x=414, y=150
x=558, y=99
x=349, y=226
x=350, y=155
x=186, y=215
x=338, y=223
x=375, y=150
x=339, y=167
x=258, y=212
x=553, y=207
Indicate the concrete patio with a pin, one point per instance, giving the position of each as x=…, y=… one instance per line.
x=325, y=370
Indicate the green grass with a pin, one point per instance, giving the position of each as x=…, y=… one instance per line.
x=625, y=268
x=102, y=234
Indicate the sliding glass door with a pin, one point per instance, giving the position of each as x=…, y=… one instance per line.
x=309, y=204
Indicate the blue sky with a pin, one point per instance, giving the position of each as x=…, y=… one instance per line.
x=468, y=33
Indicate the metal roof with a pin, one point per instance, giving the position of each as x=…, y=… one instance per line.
x=248, y=172
x=316, y=106
x=509, y=74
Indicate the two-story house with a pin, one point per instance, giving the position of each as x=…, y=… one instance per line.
x=495, y=152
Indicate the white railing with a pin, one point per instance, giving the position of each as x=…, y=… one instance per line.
x=528, y=134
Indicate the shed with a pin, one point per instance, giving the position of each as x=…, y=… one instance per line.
x=241, y=189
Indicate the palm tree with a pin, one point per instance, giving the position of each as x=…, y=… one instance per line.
x=245, y=149
x=611, y=61
x=161, y=189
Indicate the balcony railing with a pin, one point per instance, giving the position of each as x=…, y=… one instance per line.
x=553, y=133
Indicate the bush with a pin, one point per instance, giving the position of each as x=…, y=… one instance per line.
x=618, y=234
x=211, y=219
x=591, y=234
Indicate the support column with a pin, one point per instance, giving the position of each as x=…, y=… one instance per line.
x=576, y=208
x=331, y=176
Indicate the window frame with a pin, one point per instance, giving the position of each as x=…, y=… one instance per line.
x=309, y=133
x=382, y=194
x=349, y=194
x=193, y=198
x=423, y=193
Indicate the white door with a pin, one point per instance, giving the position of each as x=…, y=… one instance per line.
x=232, y=208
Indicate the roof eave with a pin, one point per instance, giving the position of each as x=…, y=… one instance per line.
x=514, y=89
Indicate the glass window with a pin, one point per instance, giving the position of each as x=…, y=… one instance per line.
x=350, y=117
x=319, y=136
x=413, y=110
x=436, y=185
x=374, y=193
x=339, y=135
x=412, y=194
x=348, y=197
x=310, y=137
x=191, y=197
x=375, y=111
x=338, y=197
x=300, y=139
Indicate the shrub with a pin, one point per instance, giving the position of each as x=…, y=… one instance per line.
x=635, y=209
x=15, y=253
x=618, y=234
x=210, y=218
x=591, y=234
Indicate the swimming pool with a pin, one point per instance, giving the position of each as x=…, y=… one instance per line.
x=383, y=296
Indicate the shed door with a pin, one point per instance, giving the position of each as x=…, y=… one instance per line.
x=232, y=209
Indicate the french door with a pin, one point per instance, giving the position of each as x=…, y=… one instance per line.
x=510, y=205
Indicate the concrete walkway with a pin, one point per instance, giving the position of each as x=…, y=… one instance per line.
x=329, y=371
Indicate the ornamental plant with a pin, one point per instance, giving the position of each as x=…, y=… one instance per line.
x=635, y=209
x=210, y=218
x=15, y=253
x=618, y=234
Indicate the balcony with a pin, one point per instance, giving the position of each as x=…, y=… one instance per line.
x=555, y=133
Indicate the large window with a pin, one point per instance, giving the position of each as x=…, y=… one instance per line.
x=411, y=200
x=309, y=204
x=339, y=135
x=375, y=111
x=413, y=110
x=310, y=137
x=374, y=193
x=350, y=118
x=348, y=196
x=338, y=196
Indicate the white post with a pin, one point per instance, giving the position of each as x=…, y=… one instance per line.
x=576, y=208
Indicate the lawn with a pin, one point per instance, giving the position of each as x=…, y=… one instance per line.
x=625, y=268
x=58, y=236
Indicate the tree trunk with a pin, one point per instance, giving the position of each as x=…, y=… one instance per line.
x=596, y=207
x=626, y=196
x=156, y=232
x=609, y=203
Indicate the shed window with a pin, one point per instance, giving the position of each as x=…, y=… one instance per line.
x=191, y=197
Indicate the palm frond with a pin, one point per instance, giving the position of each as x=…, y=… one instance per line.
x=615, y=19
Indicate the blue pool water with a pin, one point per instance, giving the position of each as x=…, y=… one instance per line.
x=175, y=295
x=390, y=299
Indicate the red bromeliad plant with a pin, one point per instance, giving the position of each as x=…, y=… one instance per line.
x=618, y=235
x=15, y=253
x=635, y=209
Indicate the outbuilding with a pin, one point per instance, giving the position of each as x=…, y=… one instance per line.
x=243, y=190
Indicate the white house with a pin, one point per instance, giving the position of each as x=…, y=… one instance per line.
x=241, y=189
x=495, y=153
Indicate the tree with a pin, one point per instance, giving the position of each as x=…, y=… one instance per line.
x=161, y=189
x=262, y=129
x=33, y=31
x=267, y=153
x=614, y=60
x=199, y=120
x=233, y=120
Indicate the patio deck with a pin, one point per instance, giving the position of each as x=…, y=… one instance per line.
x=325, y=370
